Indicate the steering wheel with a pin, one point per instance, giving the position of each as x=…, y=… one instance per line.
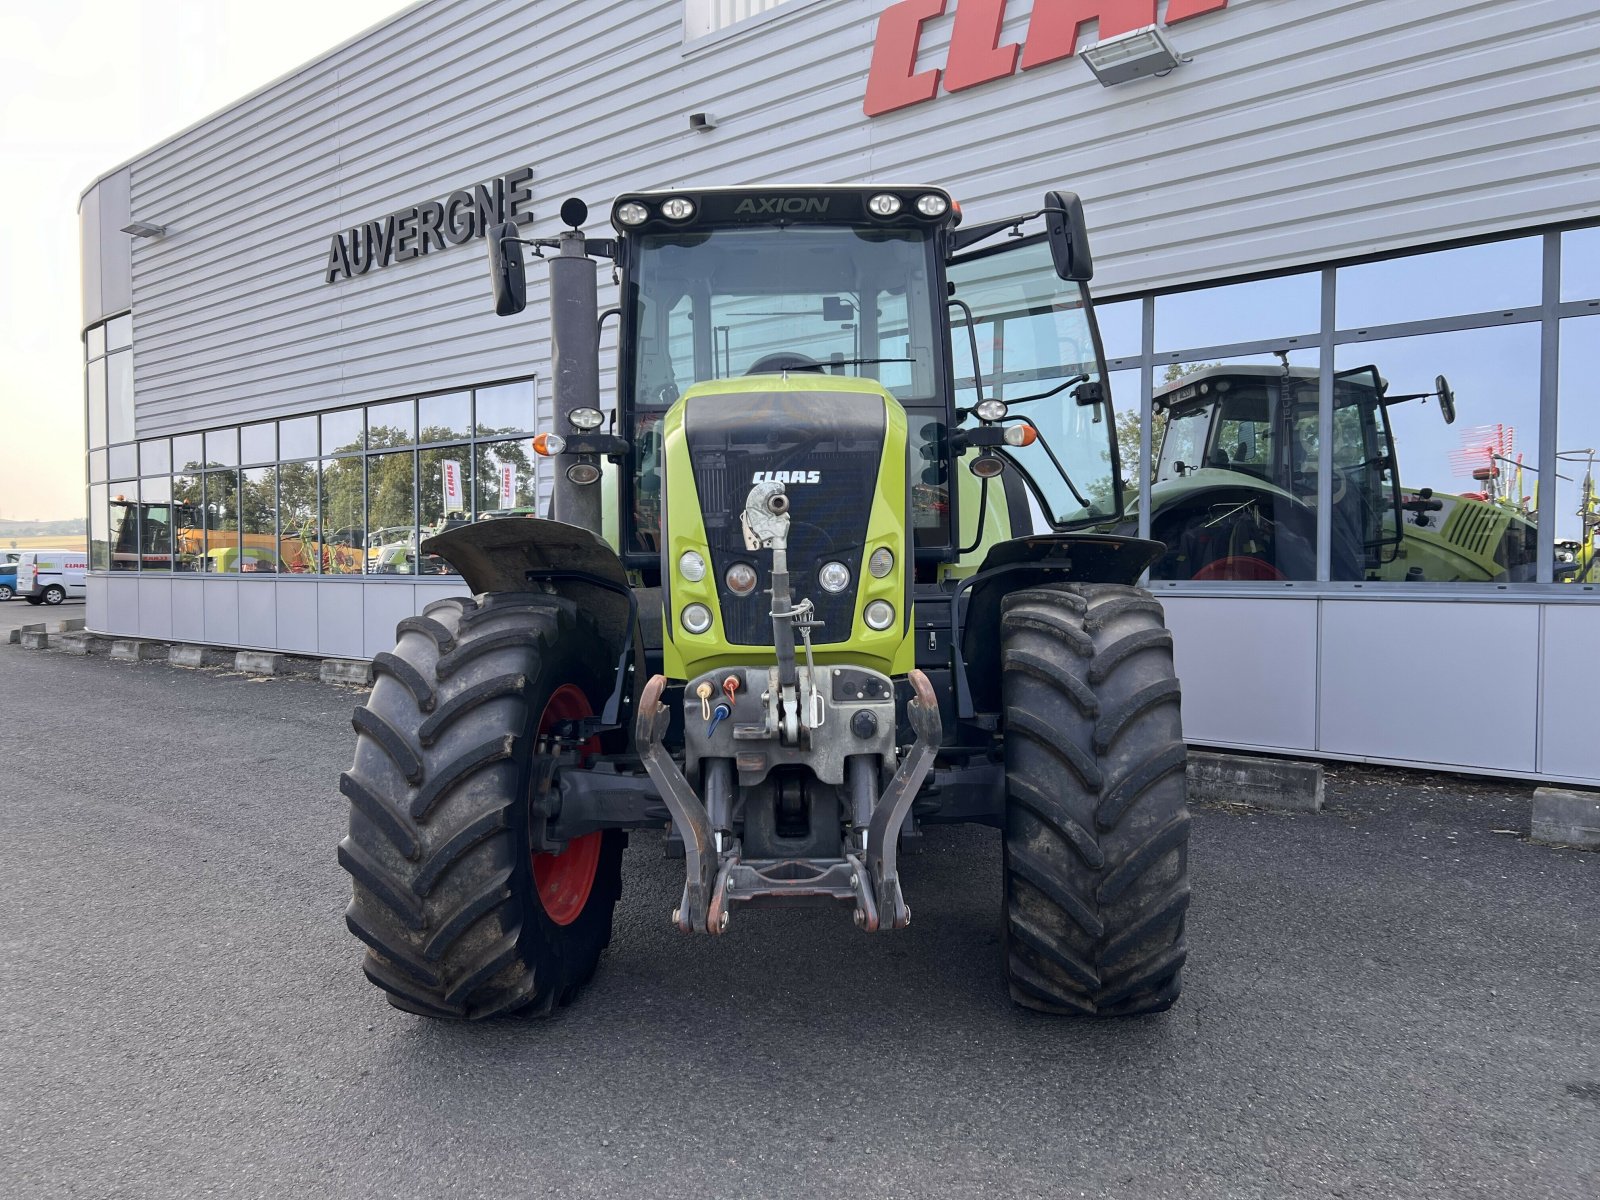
x=783, y=360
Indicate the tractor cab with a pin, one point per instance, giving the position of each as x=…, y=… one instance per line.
x=794, y=290
x=1237, y=485
x=1237, y=476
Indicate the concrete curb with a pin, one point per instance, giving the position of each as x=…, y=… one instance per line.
x=69, y=626
x=73, y=642
x=1565, y=817
x=35, y=639
x=353, y=671
x=133, y=650
x=184, y=655
x=1278, y=784
x=257, y=662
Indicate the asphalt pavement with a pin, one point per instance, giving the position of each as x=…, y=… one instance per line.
x=1399, y=997
x=14, y=614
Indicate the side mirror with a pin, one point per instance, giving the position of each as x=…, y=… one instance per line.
x=1069, y=236
x=1447, y=399
x=506, y=272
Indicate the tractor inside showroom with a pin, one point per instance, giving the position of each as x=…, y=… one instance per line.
x=819, y=579
x=1236, y=486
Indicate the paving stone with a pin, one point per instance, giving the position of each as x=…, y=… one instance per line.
x=1566, y=817
x=187, y=656
x=74, y=642
x=1284, y=784
x=257, y=662
x=134, y=650
x=357, y=671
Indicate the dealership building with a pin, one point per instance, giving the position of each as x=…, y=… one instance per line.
x=292, y=362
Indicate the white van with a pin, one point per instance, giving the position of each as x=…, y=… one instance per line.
x=50, y=576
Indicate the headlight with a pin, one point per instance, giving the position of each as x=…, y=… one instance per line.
x=884, y=204
x=879, y=615
x=586, y=419
x=697, y=618
x=834, y=577
x=991, y=410
x=677, y=209
x=582, y=472
x=691, y=566
x=932, y=206
x=741, y=579
x=632, y=214
x=881, y=562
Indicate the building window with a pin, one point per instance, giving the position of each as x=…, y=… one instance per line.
x=701, y=17
x=108, y=422
x=1440, y=432
x=352, y=491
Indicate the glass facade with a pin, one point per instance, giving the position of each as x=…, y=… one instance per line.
x=1422, y=419
x=1419, y=419
x=351, y=491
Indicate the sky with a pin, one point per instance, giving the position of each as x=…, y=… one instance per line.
x=84, y=86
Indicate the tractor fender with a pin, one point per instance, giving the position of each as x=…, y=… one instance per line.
x=1020, y=563
x=524, y=554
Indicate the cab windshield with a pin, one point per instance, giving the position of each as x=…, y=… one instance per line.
x=712, y=304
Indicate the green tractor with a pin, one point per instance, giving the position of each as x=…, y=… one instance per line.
x=1235, y=489
x=821, y=579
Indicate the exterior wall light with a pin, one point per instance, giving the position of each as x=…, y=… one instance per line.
x=143, y=229
x=1137, y=54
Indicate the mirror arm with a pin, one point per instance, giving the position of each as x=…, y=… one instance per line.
x=1076, y=379
x=960, y=239
x=1056, y=462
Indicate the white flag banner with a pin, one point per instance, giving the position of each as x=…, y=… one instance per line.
x=453, y=500
x=508, y=485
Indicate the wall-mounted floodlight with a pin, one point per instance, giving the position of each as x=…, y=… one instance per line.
x=141, y=229
x=1137, y=54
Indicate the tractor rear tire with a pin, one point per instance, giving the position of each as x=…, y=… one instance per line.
x=459, y=919
x=1097, y=828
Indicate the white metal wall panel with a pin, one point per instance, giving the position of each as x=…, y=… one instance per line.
x=385, y=606
x=188, y=609
x=1303, y=130
x=155, y=608
x=296, y=603
x=122, y=606
x=1449, y=682
x=340, y=633
x=1248, y=669
x=1569, y=738
x=221, y=611
x=258, y=616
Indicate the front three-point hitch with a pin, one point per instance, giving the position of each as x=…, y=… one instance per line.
x=865, y=875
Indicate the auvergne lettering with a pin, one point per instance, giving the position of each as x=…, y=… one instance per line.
x=410, y=232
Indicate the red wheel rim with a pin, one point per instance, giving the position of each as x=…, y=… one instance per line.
x=1237, y=567
x=563, y=881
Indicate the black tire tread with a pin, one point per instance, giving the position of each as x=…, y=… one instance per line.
x=1097, y=828
x=437, y=848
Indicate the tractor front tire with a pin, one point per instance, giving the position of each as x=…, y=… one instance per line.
x=460, y=916
x=1097, y=828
